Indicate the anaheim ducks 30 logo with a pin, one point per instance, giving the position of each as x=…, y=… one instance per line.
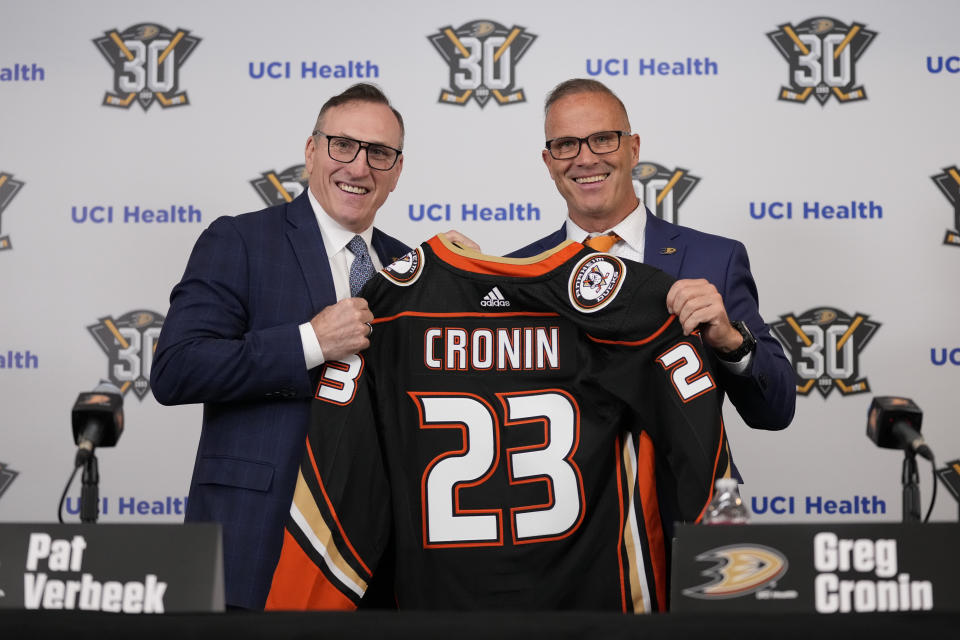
x=482, y=56
x=405, y=270
x=7, y=476
x=739, y=570
x=8, y=189
x=949, y=183
x=662, y=189
x=129, y=342
x=146, y=60
x=279, y=187
x=824, y=344
x=595, y=282
x=822, y=54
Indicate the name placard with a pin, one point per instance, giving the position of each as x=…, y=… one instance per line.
x=120, y=568
x=821, y=568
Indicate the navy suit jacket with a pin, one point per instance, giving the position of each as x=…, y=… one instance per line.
x=231, y=341
x=766, y=396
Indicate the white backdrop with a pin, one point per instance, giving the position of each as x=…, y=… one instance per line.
x=62, y=150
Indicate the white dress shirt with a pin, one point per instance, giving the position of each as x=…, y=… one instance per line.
x=631, y=231
x=335, y=239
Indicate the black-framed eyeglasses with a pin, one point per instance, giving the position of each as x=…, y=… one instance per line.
x=600, y=142
x=379, y=156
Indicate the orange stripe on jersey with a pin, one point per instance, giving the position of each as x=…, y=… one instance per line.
x=468, y=314
x=720, y=449
x=620, y=503
x=306, y=515
x=635, y=343
x=298, y=583
x=492, y=265
x=647, y=488
x=316, y=473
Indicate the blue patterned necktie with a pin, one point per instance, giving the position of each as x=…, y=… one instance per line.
x=362, y=268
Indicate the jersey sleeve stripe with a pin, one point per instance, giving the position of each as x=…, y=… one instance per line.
x=333, y=512
x=639, y=588
x=620, y=535
x=650, y=505
x=321, y=540
x=721, y=449
x=467, y=314
x=299, y=584
x=636, y=343
x=313, y=526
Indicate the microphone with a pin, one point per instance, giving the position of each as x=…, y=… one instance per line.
x=97, y=420
x=894, y=423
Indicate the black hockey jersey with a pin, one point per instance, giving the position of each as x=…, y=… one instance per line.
x=512, y=426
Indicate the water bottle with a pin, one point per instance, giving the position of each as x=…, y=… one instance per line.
x=726, y=506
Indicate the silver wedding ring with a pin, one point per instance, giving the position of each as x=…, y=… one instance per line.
x=371, y=329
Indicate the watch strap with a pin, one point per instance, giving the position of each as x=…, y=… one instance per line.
x=748, y=346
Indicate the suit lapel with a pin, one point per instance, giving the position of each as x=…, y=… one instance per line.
x=304, y=235
x=551, y=240
x=388, y=250
x=663, y=247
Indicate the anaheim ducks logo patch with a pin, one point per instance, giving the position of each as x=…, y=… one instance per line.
x=406, y=270
x=594, y=282
x=739, y=570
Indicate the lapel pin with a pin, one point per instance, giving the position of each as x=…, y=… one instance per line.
x=668, y=251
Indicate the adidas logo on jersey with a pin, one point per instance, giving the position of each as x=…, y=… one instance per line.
x=494, y=299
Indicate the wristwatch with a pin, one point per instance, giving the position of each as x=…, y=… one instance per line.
x=749, y=344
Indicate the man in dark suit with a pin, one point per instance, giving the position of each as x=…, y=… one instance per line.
x=590, y=153
x=266, y=297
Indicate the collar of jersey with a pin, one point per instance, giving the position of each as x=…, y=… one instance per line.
x=474, y=262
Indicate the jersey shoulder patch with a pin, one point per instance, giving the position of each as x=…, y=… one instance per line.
x=595, y=281
x=405, y=271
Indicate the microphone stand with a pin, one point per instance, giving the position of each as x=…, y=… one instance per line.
x=911, y=487
x=90, y=491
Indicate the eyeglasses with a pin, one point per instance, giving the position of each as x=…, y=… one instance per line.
x=600, y=142
x=379, y=156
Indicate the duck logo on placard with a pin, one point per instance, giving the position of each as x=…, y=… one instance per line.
x=8, y=189
x=278, y=188
x=146, y=60
x=482, y=56
x=824, y=345
x=739, y=570
x=949, y=183
x=662, y=190
x=129, y=342
x=822, y=54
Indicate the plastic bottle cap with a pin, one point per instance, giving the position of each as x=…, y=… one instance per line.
x=726, y=484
